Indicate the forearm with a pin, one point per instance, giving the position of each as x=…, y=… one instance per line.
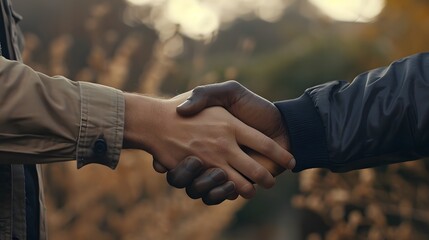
x=380, y=118
x=143, y=121
x=46, y=119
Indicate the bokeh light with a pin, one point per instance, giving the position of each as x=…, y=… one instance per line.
x=350, y=10
x=195, y=19
x=200, y=19
x=304, y=47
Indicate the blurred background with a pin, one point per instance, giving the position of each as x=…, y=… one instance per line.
x=277, y=48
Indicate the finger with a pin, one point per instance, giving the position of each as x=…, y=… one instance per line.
x=158, y=166
x=243, y=186
x=233, y=195
x=221, y=94
x=274, y=168
x=185, y=172
x=219, y=194
x=266, y=146
x=210, y=179
x=197, y=102
x=251, y=169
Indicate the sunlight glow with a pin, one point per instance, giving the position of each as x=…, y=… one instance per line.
x=350, y=10
x=200, y=19
x=196, y=20
x=145, y=2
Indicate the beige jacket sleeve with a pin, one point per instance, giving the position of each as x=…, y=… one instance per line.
x=49, y=119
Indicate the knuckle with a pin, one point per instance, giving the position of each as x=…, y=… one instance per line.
x=234, y=87
x=197, y=144
x=223, y=145
x=232, y=84
x=198, y=91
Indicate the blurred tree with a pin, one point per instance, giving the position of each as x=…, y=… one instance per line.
x=88, y=41
x=401, y=29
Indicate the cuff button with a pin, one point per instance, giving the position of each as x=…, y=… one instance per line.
x=100, y=147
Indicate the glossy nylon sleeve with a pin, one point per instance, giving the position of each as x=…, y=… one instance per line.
x=48, y=119
x=382, y=117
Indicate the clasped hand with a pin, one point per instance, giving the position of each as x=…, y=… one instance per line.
x=212, y=153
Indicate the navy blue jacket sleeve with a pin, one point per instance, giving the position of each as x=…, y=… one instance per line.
x=382, y=117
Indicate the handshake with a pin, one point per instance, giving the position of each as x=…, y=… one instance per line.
x=216, y=141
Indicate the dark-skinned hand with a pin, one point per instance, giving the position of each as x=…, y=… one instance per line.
x=212, y=185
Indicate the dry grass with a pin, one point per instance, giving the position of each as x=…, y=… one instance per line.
x=388, y=203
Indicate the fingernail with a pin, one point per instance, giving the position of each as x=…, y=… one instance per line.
x=292, y=163
x=185, y=103
x=193, y=164
x=218, y=175
x=229, y=188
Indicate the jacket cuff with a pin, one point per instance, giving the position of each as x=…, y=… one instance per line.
x=101, y=126
x=306, y=133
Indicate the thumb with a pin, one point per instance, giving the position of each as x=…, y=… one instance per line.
x=191, y=107
x=196, y=103
x=158, y=166
x=219, y=94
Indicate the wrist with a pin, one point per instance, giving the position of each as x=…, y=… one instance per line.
x=141, y=121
